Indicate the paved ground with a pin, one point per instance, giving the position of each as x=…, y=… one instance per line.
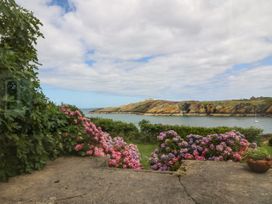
x=85, y=180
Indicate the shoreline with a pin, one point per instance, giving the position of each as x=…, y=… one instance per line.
x=184, y=115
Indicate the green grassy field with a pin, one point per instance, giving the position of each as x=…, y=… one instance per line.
x=146, y=150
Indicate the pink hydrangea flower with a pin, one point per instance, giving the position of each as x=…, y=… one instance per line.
x=79, y=147
x=119, y=152
x=216, y=147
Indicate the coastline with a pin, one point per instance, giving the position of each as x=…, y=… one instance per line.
x=181, y=114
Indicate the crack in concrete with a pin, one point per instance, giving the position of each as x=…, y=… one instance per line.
x=71, y=197
x=186, y=191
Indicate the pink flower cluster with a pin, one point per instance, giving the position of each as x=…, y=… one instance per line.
x=100, y=144
x=219, y=147
x=124, y=155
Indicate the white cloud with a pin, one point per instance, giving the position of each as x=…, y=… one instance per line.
x=192, y=41
x=257, y=80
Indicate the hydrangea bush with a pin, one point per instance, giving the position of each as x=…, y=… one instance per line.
x=219, y=147
x=94, y=142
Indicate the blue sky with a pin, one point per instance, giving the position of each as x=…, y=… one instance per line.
x=102, y=53
x=86, y=99
x=64, y=4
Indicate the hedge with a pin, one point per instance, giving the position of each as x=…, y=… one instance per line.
x=150, y=131
x=270, y=142
x=117, y=128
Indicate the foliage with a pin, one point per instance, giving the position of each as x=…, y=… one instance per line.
x=257, y=154
x=19, y=31
x=117, y=128
x=150, y=131
x=93, y=141
x=219, y=147
x=270, y=141
x=267, y=148
x=27, y=140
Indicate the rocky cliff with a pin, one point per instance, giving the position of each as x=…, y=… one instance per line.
x=261, y=106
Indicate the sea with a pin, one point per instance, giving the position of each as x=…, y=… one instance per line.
x=264, y=123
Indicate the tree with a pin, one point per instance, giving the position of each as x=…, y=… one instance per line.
x=19, y=31
x=25, y=134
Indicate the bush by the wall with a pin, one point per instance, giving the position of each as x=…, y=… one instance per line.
x=172, y=149
x=95, y=142
x=128, y=131
x=31, y=127
x=29, y=139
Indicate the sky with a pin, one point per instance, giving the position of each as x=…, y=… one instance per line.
x=99, y=53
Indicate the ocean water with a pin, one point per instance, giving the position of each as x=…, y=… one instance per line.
x=264, y=123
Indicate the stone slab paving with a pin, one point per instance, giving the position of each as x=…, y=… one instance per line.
x=85, y=180
x=226, y=182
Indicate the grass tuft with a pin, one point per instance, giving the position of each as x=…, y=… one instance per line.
x=146, y=150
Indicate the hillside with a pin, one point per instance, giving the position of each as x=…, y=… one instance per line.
x=262, y=106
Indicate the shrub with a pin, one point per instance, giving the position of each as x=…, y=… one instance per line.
x=257, y=154
x=150, y=131
x=93, y=141
x=28, y=140
x=128, y=131
x=270, y=141
x=173, y=149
